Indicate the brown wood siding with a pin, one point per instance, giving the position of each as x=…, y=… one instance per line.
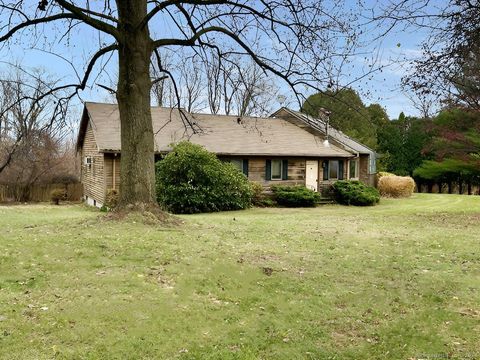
x=92, y=176
x=110, y=159
x=256, y=170
x=363, y=169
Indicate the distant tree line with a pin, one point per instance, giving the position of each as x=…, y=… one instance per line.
x=443, y=149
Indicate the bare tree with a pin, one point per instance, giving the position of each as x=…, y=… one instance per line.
x=29, y=109
x=448, y=69
x=214, y=73
x=191, y=84
x=295, y=40
x=161, y=87
x=32, y=128
x=424, y=103
x=255, y=93
x=241, y=87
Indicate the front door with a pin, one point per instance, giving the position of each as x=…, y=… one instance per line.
x=311, y=176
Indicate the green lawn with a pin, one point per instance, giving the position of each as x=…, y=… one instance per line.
x=397, y=281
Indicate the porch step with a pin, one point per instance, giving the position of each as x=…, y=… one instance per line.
x=325, y=201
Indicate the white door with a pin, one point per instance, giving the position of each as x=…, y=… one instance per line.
x=311, y=176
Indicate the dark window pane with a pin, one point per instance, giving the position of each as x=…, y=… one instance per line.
x=333, y=169
x=276, y=169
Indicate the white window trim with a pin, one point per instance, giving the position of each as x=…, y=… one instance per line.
x=88, y=161
x=357, y=168
x=281, y=170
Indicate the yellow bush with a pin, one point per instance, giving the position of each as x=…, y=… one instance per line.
x=57, y=195
x=381, y=174
x=396, y=186
x=385, y=173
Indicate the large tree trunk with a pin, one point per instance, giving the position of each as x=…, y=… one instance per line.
x=133, y=95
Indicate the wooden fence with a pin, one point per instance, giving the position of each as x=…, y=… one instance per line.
x=38, y=192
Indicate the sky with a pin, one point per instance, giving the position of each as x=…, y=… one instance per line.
x=393, y=53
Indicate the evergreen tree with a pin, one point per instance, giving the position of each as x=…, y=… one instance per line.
x=403, y=144
x=348, y=114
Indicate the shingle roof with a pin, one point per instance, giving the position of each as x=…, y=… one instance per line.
x=319, y=126
x=223, y=135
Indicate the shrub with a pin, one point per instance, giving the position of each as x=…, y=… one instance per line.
x=327, y=192
x=192, y=180
x=381, y=174
x=348, y=192
x=295, y=196
x=396, y=186
x=58, y=195
x=111, y=199
x=260, y=198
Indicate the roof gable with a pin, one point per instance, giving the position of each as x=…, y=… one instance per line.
x=318, y=126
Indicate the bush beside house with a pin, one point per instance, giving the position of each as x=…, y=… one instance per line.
x=295, y=196
x=260, y=197
x=192, y=180
x=349, y=192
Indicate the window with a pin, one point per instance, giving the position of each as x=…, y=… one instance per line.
x=353, y=168
x=88, y=161
x=240, y=164
x=372, y=162
x=276, y=170
x=237, y=163
x=333, y=169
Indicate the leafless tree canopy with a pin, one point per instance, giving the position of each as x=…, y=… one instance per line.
x=35, y=145
x=296, y=41
x=300, y=43
x=449, y=67
x=30, y=113
x=238, y=88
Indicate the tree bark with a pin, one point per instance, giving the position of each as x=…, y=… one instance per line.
x=137, y=177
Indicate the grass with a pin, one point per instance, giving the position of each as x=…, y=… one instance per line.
x=397, y=281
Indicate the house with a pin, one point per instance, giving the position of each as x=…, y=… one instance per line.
x=287, y=148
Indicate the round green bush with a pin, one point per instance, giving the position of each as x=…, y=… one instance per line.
x=349, y=192
x=192, y=180
x=295, y=196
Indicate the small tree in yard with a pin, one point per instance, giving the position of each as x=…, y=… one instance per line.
x=191, y=180
x=58, y=195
